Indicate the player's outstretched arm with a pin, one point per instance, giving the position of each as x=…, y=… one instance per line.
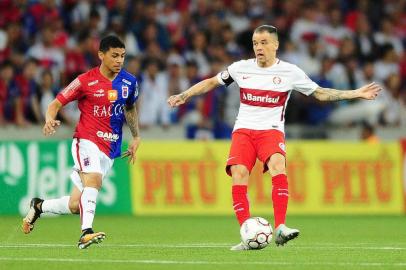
x=50, y=123
x=131, y=117
x=197, y=89
x=369, y=91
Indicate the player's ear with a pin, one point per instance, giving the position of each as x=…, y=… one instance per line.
x=101, y=55
x=276, y=44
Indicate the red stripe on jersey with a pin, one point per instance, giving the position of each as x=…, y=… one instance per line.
x=263, y=98
x=283, y=112
x=77, y=153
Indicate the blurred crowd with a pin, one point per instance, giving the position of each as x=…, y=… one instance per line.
x=172, y=44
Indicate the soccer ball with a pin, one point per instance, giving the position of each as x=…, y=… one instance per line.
x=256, y=232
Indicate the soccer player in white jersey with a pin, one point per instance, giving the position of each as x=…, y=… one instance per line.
x=265, y=84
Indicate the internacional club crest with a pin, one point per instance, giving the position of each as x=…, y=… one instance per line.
x=277, y=80
x=225, y=75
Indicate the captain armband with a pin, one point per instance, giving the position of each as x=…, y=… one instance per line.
x=226, y=77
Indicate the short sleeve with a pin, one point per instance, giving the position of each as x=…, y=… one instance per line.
x=302, y=83
x=134, y=95
x=71, y=92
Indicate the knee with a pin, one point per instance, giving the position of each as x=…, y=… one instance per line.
x=92, y=180
x=240, y=174
x=277, y=166
x=74, y=207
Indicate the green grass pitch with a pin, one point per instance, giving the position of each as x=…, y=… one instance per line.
x=325, y=242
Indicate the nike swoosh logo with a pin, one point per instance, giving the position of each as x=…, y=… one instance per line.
x=245, y=77
x=230, y=158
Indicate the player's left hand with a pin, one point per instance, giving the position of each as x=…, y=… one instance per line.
x=132, y=149
x=369, y=91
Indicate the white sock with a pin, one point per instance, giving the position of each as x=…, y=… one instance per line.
x=88, y=206
x=57, y=206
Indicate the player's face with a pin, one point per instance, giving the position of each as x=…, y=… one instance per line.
x=113, y=59
x=265, y=46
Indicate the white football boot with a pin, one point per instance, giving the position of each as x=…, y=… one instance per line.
x=284, y=234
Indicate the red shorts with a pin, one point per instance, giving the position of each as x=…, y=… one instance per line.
x=247, y=145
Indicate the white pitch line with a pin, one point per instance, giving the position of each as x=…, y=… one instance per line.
x=348, y=247
x=115, y=261
x=39, y=245
x=196, y=245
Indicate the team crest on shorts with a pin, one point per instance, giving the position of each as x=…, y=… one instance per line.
x=282, y=146
x=124, y=91
x=276, y=80
x=86, y=161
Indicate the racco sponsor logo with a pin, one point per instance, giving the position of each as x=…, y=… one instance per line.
x=108, y=110
x=107, y=136
x=266, y=99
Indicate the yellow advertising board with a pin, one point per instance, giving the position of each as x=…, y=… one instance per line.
x=185, y=178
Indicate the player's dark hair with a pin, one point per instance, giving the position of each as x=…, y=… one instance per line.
x=110, y=42
x=267, y=28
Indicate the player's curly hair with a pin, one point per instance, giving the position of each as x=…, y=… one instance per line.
x=110, y=42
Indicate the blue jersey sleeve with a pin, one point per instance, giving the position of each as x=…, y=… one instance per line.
x=134, y=93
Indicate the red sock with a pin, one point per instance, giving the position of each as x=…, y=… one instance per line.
x=240, y=203
x=280, y=197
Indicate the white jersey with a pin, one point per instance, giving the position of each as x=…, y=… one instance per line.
x=264, y=92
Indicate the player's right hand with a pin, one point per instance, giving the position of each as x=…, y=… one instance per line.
x=176, y=100
x=50, y=127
